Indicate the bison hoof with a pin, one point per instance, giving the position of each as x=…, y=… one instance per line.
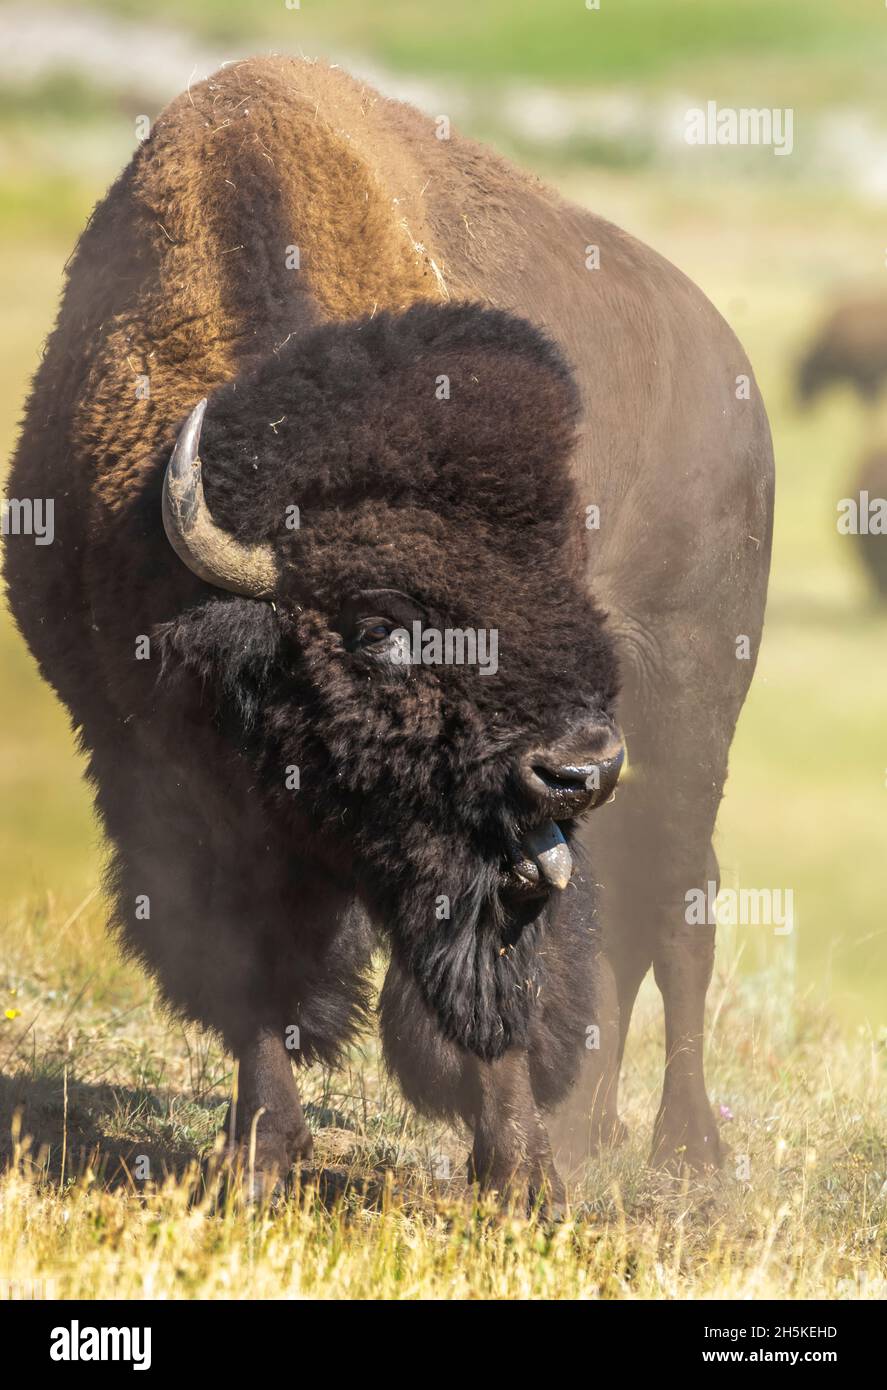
x=530, y=1188
x=261, y=1172
x=689, y=1145
x=261, y=1187
x=610, y=1133
x=580, y=1144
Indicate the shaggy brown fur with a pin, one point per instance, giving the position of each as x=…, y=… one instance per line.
x=322, y=393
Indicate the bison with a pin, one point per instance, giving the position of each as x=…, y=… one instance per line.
x=323, y=380
x=850, y=347
x=866, y=518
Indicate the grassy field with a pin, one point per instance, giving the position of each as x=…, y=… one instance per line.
x=93, y=1083
x=96, y=1093
x=562, y=40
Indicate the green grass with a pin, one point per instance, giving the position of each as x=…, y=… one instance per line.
x=49, y=844
x=560, y=39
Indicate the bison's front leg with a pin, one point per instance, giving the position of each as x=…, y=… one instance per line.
x=266, y=1123
x=511, y=1154
x=685, y=1132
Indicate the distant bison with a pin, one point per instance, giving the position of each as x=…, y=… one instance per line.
x=866, y=517
x=849, y=347
x=333, y=408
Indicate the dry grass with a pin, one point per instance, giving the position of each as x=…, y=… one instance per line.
x=93, y=1083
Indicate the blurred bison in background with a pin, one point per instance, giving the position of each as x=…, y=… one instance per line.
x=850, y=347
x=868, y=512
x=344, y=330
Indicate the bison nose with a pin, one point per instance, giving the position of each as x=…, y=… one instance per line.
x=566, y=781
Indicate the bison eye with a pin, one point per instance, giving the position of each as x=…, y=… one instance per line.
x=368, y=619
x=374, y=630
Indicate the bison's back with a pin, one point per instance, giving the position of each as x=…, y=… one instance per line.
x=247, y=216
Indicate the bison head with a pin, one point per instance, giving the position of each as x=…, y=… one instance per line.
x=392, y=500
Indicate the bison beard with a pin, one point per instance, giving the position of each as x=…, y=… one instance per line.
x=479, y=975
x=477, y=971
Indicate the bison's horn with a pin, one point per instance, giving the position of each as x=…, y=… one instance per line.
x=205, y=548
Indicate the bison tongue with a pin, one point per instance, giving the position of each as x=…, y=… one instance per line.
x=548, y=848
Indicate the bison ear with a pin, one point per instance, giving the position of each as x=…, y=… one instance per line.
x=211, y=553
